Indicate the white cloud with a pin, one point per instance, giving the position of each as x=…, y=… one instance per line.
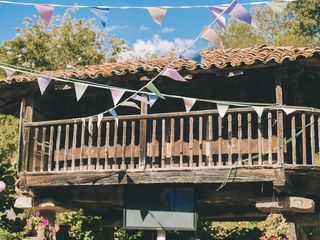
x=115, y=27
x=143, y=28
x=167, y=30
x=155, y=46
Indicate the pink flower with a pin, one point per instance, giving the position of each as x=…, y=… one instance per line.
x=2, y=186
x=263, y=234
x=44, y=221
x=37, y=213
x=285, y=238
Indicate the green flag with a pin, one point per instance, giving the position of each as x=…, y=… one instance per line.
x=155, y=90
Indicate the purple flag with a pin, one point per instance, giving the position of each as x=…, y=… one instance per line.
x=45, y=12
x=43, y=83
x=217, y=14
x=237, y=11
x=116, y=95
x=173, y=74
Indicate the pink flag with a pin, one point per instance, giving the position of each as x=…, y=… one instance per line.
x=288, y=111
x=173, y=74
x=45, y=12
x=188, y=103
x=116, y=95
x=43, y=83
x=222, y=109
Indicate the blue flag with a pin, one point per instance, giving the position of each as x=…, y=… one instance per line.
x=102, y=13
x=193, y=55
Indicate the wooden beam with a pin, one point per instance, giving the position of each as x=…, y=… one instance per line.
x=286, y=204
x=279, y=101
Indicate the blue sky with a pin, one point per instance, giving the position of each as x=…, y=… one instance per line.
x=134, y=25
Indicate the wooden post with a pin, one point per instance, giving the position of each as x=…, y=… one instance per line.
x=161, y=235
x=279, y=101
x=143, y=133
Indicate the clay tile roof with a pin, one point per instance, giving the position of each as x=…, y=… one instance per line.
x=214, y=59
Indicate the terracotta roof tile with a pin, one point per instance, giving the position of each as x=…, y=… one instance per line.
x=216, y=58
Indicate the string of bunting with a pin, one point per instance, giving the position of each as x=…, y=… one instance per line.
x=157, y=13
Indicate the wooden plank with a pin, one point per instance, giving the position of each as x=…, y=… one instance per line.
x=66, y=147
x=35, y=149
x=90, y=139
x=133, y=130
x=124, y=143
x=270, y=138
x=312, y=139
x=200, y=152
x=83, y=128
x=181, y=141
x=163, y=143
x=220, y=141
x=74, y=145
x=43, y=148
x=98, y=146
x=239, y=139
x=171, y=148
x=249, y=138
x=190, y=141
x=210, y=140
x=106, y=145
x=20, y=140
x=260, y=153
x=230, y=140
x=153, y=143
x=304, y=139
x=57, y=148
x=293, y=142
x=50, y=149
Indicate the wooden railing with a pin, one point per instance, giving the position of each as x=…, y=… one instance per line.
x=172, y=140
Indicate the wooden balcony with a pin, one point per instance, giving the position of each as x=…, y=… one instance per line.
x=184, y=147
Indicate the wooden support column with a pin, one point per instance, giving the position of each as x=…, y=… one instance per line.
x=280, y=129
x=143, y=134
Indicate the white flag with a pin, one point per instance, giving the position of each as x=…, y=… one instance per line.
x=116, y=95
x=139, y=98
x=80, y=88
x=130, y=104
x=288, y=111
x=9, y=72
x=100, y=116
x=211, y=36
x=43, y=83
x=115, y=116
x=222, y=109
x=259, y=110
x=157, y=13
x=188, y=103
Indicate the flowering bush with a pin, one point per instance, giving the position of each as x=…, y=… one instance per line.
x=275, y=228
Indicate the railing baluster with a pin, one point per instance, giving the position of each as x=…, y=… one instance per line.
x=115, y=143
x=260, y=153
x=239, y=139
x=74, y=146
x=83, y=126
x=98, y=146
x=172, y=143
x=304, y=144
x=90, y=126
x=312, y=136
x=220, y=141
x=57, y=152
x=163, y=143
x=270, y=138
x=293, y=142
x=50, y=149
x=153, y=143
x=210, y=139
x=200, y=141
x=124, y=143
x=249, y=139
x=35, y=149
x=66, y=147
x=43, y=146
x=106, y=146
x=133, y=131
x=190, y=141
x=230, y=139
x=181, y=141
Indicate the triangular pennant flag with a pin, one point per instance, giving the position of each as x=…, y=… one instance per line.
x=258, y=110
x=139, y=98
x=80, y=88
x=45, y=12
x=100, y=116
x=157, y=13
x=9, y=72
x=11, y=215
x=211, y=36
x=193, y=55
x=277, y=7
x=116, y=95
x=217, y=14
x=237, y=11
x=102, y=13
x=152, y=99
x=115, y=116
x=188, y=103
x=155, y=90
x=222, y=109
x=288, y=111
x=130, y=104
x=173, y=74
x=43, y=83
